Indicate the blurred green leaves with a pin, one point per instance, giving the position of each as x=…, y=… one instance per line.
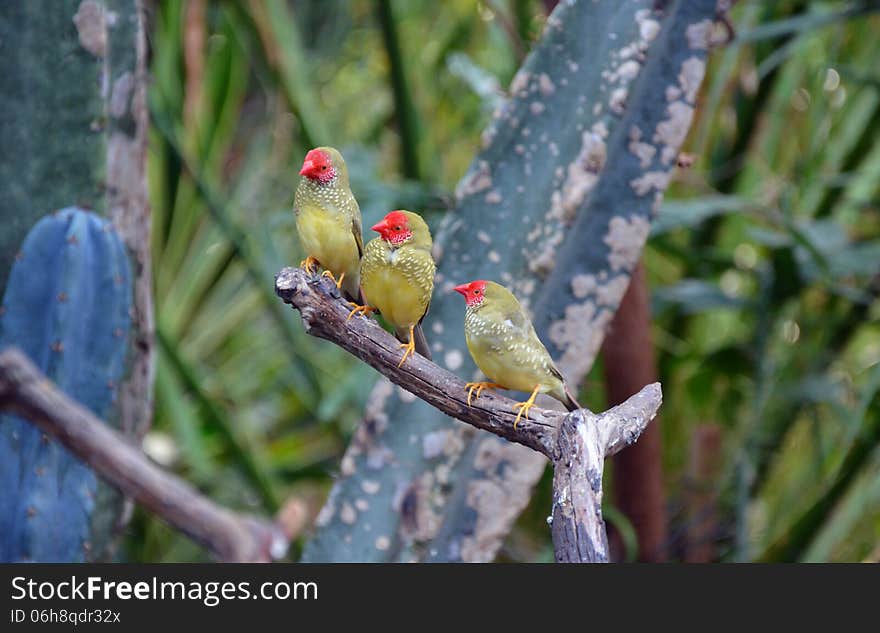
x=786, y=283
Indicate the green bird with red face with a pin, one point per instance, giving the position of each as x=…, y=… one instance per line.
x=328, y=219
x=504, y=345
x=397, y=277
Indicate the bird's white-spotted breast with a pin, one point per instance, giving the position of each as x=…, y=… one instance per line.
x=397, y=281
x=324, y=225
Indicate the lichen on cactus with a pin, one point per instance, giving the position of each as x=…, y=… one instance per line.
x=67, y=306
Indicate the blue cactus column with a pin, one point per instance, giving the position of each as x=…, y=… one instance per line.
x=67, y=306
x=73, y=81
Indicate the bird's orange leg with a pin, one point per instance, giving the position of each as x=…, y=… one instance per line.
x=359, y=309
x=525, y=406
x=410, y=347
x=309, y=264
x=479, y=386
x=338, y=282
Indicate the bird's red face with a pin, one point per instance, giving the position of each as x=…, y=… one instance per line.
x=473, y=293
x=394, y=228
x=318, y=166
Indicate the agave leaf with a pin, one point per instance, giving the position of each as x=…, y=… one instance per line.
x=690, y=213
x=794, y=542
x=804, y=23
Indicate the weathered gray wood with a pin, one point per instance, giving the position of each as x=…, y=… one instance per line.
x=577, y=526
x=585, y=440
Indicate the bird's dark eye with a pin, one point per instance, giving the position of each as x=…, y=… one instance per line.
x=476, y=292
x=396, y=228
x=324, y=168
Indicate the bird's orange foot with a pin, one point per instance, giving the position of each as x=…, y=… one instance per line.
x=523, y=407
x=359, y=309
x=338, y=282
x=410, y=350
x=309, y=264
x=478, y=387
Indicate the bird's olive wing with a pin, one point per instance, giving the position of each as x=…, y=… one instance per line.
x=515, y=318
x=556, y=372
x=514, y=325
x=357, y=227
x=425, y=313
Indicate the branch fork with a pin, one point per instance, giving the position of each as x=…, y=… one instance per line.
x=576, y=443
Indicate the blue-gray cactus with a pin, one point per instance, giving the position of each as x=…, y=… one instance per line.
x=73, y=97
x=67, y=306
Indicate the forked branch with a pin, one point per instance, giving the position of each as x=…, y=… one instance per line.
x=577, y=443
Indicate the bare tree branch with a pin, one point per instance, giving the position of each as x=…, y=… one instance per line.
x=326, y=316
x=577, y=526
x=622, y=425
x=585, y=440
x=577, y=443
x=26, y=392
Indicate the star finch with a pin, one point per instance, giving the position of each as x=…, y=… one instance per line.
x=328, y=219
x=503, y=343
x=397, y=277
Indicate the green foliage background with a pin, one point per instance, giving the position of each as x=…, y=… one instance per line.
x=764, y=263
